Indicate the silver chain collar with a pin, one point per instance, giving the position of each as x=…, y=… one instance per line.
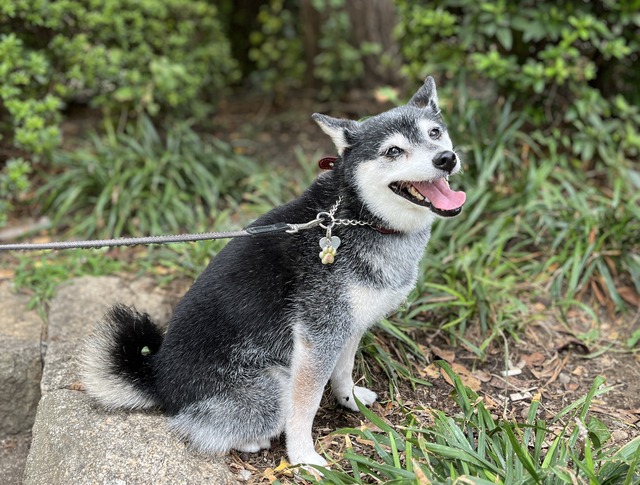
x=327, y=220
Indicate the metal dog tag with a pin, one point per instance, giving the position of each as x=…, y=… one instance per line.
x=333, y=242
x=329, y=246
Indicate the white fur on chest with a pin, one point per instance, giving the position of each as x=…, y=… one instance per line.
x=370, y=305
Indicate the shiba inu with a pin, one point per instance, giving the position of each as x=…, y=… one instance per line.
x=270, y=321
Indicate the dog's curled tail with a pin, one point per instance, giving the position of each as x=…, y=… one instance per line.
x=116, y=360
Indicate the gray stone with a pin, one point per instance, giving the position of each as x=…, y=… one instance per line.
x=13, y=456
x=77, y=307
x=76, y=442
x=20, y=361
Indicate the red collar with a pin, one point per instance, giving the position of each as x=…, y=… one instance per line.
x=327, y=163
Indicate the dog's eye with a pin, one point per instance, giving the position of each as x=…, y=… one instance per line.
x=435, y=133
x=393, y=152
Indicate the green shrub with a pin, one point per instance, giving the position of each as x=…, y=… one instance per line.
x=339, y=64
x=30, y=115
x=277, y=48
x=119, y=55
x=567, y=64
x=14, y=183
x=138, y=183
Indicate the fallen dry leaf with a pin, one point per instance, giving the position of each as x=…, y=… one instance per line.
x=465, y=376
x=539, y=307
x=432, y=371
x=490, y=403
x=283, y=468
x=571, y=386
x=481, y=375
x=269, y=475
x=422, y=478
x=535, y=359
x=629, y=416
x=364, y=441
x=6, y=274
x=629, y=295
x=556, y=372
x=600, y=296
x=446, y=355
x=579, y=371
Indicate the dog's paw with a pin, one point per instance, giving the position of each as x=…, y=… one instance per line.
x=364, y=395
x=310, y=458
x=254, y=446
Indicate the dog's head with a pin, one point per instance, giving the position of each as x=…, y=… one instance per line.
x=399, y=162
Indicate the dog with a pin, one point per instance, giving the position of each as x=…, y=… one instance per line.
x=253, y=342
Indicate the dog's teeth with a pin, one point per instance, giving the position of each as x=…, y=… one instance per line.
x=413, y=191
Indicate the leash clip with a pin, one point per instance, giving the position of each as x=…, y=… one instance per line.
x=295, y=228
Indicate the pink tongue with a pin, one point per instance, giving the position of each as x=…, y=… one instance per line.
x=440, y=195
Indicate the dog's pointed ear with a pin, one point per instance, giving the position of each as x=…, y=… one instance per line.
x=426, y=96
x=338, y=129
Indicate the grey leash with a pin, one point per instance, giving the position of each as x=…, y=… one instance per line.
x=321, y=219
x=178, y=238
x=326, y=220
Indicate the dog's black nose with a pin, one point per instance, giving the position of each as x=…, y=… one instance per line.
x=445, y=161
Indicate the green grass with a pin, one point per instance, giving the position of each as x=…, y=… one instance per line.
x=474, y=447
x=42, y=272
x=143, y=183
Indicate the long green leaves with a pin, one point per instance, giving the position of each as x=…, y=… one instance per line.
x=142, y=183
x=476, y=448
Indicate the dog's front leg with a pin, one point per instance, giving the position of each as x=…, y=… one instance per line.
x=313, y=359
x=342, y=378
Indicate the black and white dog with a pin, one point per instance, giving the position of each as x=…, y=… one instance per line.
x=250, y=347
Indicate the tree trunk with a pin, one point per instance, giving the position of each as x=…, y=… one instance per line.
x=373, y=21
x=311, y=21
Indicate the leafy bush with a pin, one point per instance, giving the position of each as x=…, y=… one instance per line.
x=570, y=64
x=116, y=54
x=555, y=205
x=14, y=182
x=137, y=183
x=30, y=115
x=277, y=48
x=339, y=64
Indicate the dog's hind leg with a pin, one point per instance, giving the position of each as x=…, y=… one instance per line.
x=342, y=378
x=244, y=418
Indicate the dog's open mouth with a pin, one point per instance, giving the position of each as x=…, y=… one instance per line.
x=436, y=195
